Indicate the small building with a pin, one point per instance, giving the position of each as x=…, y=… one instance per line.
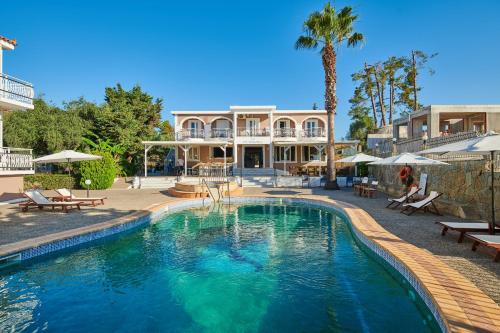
x=15, y=94
x=443, y=120
x=253, y=137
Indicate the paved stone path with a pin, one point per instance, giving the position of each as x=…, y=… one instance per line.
x=419, y=229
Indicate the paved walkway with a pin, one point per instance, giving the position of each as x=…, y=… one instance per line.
x=419, y=229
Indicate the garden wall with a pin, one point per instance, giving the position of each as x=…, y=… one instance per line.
x=466, y=186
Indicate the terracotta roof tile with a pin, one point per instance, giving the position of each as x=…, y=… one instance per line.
x=10, y=41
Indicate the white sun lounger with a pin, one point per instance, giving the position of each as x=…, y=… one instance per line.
x=36, y=199
x=67, y=195
x=463, y=227
x=424, y=204
x=491, y=241
x=404, y=198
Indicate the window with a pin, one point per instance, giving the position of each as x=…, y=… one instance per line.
x=253, y=123
x=221, y=124
x=194, y=154
x=279, y=154
x=217, y=152
x=284, y=123
x=311, y=153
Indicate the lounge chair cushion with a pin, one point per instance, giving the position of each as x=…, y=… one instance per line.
x=422, y=203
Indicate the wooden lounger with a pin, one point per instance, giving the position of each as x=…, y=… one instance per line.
x=424, y=204
x=463, y=227
x=491, y=241
x=36, y=199
x=403, y=199
x=65, y=195
x=369, y=191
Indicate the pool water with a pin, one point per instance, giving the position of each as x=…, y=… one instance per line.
x=249, y=268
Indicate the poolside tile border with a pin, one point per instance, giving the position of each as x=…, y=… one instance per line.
x=456, y=303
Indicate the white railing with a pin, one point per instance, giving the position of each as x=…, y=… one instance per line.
x=318, y=132
x=285, y=133
x=15, y=159
x=16, y=89
x=186, y=134
x=221, y=133
x=244, y=131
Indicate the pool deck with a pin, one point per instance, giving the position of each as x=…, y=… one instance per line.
x=434, y=258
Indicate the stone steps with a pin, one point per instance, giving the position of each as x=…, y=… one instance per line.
x=258, y=181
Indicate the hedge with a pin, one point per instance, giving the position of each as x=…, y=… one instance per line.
x=48, y=181
x=101, y=172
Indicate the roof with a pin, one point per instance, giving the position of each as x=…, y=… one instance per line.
x=10, y=41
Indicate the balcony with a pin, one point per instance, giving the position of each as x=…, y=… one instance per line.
x=253, y=132
x=15, y=93
x=221, y=133
x=285, y=133
x=16, y=161
x=317, y=132
x=187, y=134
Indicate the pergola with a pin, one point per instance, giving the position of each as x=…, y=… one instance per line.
x=185, y=146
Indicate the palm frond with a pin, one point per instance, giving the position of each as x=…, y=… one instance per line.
x=306, y=42
x=355, y=39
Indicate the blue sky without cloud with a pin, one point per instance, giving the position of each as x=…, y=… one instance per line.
x=207, y=55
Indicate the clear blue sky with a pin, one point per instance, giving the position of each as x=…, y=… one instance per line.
x=211, y=54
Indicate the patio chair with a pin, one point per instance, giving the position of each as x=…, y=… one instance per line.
x=369, y=191
x=463, y=227
x=424, y=204
x=66, y=195
x=490, y=241
x=359, y=187
x=36, y=199
x=398, y=201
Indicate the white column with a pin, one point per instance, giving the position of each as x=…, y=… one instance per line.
x=146, y=149
x=235, y=146
x=185, y=149
x=1, y=60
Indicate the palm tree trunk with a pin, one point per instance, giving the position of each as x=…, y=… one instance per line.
x=329, y=63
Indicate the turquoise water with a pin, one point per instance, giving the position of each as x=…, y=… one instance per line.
x=252, y=268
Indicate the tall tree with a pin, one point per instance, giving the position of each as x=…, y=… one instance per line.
x=413, y=66
x=359, y=112
x=380, y=80
x=392, y=67
x=330, y=30
x=365, y=82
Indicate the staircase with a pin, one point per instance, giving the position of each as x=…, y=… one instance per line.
x=157, y=182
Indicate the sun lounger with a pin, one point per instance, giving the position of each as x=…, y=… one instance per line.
x=463, y=227
x=491, y=241
x=36, y=199
x=66, y=195
x=424, y=204
x=403, y=199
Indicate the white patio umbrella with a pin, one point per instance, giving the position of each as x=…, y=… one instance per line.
x=407, y=159
x=358, y=158
x=66, y=156
x=483, y=145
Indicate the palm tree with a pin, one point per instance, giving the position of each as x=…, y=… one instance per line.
x=330, y=30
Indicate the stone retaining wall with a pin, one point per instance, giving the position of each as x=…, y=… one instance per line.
x=466, y=186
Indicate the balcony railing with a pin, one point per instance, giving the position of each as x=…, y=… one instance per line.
x=187, y=134
x=16, y=90
x=221, y=133
x=284, y=133
x=15, y=159
x=318, y=132
x=243, y=131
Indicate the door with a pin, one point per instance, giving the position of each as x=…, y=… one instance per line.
x=254, y=157
x=311, y=126
x=283, y=126
x=253, y=126
x=193, y=128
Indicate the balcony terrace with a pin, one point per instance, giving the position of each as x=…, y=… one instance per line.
x=16, y=161
x=15, y=93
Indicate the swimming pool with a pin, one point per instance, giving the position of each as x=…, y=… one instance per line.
x=264, y=267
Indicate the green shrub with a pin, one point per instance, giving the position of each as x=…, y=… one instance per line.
x=48, y=181
x=101, y=172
